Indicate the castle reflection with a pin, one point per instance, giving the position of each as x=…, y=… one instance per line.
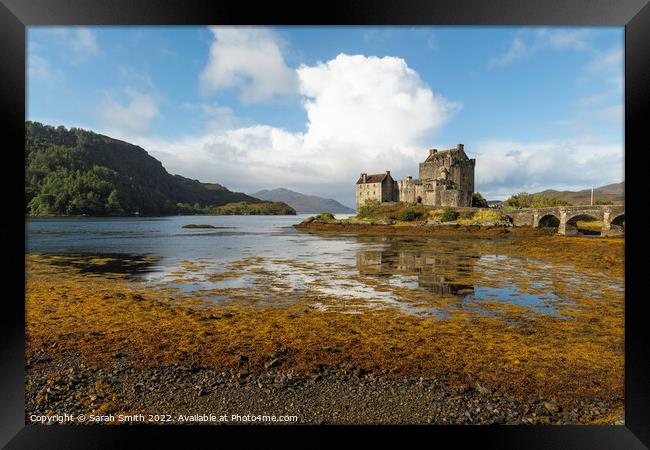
x=445, y=273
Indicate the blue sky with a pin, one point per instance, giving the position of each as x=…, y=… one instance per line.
x=309, y=108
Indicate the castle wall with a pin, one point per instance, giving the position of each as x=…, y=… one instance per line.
x=447, y=180
x=406, y=191
x=387, y=189
x=367, y=191
x=428, y=170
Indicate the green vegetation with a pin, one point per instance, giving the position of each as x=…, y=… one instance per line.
x=409, y=214
x=76, y=172
x=252, y=209
x=373, y=212
x=590, y=224
x=369, y=208
x=526, y=200
x=603, y=202
x=449, y=215
x=326, y=217
x=478, y=201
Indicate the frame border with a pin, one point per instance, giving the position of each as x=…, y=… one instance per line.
x=16, y=15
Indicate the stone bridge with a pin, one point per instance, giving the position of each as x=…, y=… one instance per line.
x=565, y=218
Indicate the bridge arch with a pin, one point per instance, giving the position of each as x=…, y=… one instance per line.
x=584, y=217
x=619, y=220
x=616, y=225
x=548, y=221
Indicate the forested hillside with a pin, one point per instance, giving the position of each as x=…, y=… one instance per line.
x=74, y=172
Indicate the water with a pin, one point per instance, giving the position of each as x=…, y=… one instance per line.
x=263, y=259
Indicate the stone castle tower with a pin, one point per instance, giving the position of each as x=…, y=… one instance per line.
x=446, y=179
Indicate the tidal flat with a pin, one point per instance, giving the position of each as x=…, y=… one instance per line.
x=405, y=329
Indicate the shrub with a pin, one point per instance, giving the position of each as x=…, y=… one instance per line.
x=478, y=201
x=326, y=217
x=369, y=207
x=449, y=215
x=526, y=200
x=409, y=215
x=481, y=216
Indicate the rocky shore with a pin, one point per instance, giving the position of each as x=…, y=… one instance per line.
x=101, y=344
x=176, y=394
x=425, y=228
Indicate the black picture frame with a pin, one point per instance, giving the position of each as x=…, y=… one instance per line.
x=16, y=15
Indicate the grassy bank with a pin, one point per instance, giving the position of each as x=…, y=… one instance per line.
x=398, y=213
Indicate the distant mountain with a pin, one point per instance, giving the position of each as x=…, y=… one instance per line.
x=611, y=192
x=303, y=204
x=75, y=172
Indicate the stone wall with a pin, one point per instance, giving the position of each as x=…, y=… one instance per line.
x=367, y=191
x=446, y=181
x=387, y=189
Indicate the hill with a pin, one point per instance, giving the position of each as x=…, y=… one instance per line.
x=74, y=172
x=611, y=192
x=303, y=204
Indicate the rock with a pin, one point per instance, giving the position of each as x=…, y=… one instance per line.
x=272, y=363
x=202, y=391
x=482, y=388
x=198, y=225
x=551, y=407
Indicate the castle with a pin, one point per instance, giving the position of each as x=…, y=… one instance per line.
x=446, y=179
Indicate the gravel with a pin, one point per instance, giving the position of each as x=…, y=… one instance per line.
x=342, y=395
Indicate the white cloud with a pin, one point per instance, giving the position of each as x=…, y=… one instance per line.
x=249, y=59
x=83, y=41
x=560, y=39
x=364, y=114
x=527, y=42
x=613, y=113
x=518, y=50
x=505, y=167
x=133, y=117
x=39, y=68
x=610, y=59
x=369, y=103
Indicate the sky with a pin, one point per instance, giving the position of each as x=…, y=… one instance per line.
x=310, y=108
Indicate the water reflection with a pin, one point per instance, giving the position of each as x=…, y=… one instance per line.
x=464, y=274
x=265, y=261
x=430, y=267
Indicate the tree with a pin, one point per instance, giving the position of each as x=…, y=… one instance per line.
x=113, y=203
x=526, y=200
x=478, y=201
x=79, y=172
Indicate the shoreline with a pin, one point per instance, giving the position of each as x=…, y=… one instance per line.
x=150, y=216
x=341, y=395
x=423, y=229
x=100, y=345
